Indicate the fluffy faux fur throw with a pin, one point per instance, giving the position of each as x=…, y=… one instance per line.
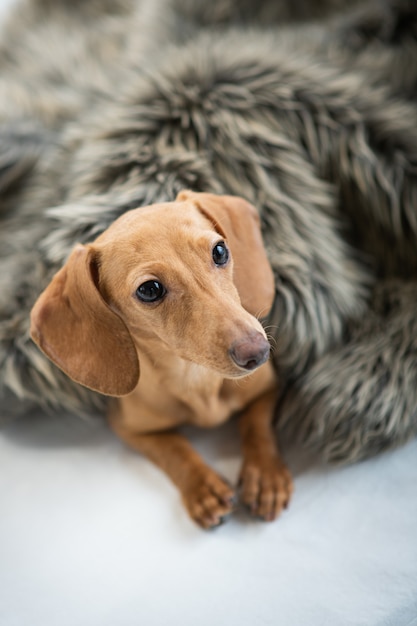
x=306, y=108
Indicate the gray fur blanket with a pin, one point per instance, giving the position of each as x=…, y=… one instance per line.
x=307, y=109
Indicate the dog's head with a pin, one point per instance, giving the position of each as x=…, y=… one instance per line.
x=189, y=276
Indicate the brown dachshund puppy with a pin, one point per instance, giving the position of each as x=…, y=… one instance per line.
x=161, y=311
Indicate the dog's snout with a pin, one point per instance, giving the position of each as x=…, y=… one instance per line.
x=251, y=352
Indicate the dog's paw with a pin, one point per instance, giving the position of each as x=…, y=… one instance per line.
x=209, y=499
x=265, y=487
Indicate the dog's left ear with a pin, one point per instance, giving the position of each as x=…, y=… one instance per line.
x=238, y=222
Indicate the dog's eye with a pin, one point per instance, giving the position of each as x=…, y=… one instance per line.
x=220, y=253
x=151, y=291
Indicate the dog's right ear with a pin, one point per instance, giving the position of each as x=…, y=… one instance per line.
x=73, y=325
x=238, y=221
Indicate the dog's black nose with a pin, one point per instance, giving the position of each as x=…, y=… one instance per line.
x=251, y=352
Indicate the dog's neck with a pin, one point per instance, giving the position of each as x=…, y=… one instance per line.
x=172, y=391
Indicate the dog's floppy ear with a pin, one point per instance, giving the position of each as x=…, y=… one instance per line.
x=238, y=221
x=77, y=330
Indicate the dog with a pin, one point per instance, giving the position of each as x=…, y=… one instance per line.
x=161, y=311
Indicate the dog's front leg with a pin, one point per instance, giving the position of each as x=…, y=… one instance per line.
x=265, y=482
x=207, y=497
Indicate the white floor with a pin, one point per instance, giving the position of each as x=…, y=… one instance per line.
x=93, y=535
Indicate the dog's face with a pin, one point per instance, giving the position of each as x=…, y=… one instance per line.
x=169, y=275
x=164, y=277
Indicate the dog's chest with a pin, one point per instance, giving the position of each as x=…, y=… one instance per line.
x=190, y=394
x=203, y=399
x=208, y=401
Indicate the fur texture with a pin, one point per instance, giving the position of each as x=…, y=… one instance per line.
x=306, y=109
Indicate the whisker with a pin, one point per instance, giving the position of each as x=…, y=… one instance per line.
x=271, y=338
x=273, y=344
x=271, y=327
x=260, y=314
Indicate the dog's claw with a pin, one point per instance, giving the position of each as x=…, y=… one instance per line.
x=222, y=520
x=231, y=501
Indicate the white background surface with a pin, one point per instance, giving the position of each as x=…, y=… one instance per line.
x=93, y=535
x=4, y=6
